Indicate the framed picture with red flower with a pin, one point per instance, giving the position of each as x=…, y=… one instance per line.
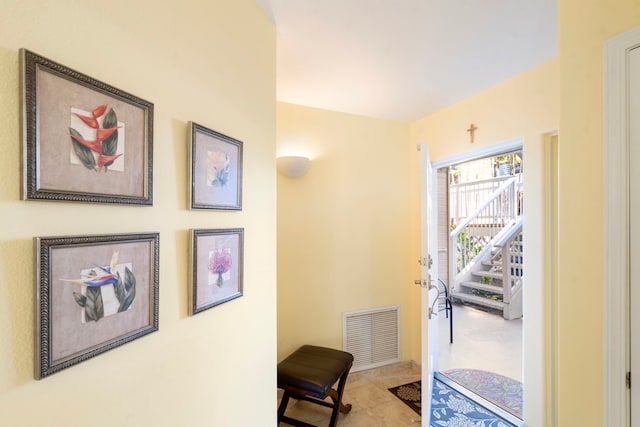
x=215, y=167
x=217, y=267
x=83, y=140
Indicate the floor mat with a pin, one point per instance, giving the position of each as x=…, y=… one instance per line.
x=504, y=392
x=450, y=408
x=410, y=394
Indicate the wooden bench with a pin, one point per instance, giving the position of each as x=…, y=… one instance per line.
x=309, y=374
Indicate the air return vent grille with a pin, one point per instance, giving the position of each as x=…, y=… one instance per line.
x=372, y=336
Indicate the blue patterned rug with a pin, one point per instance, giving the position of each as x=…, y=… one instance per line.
x=450, y=408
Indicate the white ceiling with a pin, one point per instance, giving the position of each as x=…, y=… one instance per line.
x=404, y=59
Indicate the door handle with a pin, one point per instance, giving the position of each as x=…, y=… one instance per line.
x=425, y=284
x=426, y=261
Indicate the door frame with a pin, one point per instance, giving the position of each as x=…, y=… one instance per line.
x=616, y=404
x=534, y=336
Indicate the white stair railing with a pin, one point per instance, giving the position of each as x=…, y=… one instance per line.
x=510, y=254
x=464, y=198
x=472, y=235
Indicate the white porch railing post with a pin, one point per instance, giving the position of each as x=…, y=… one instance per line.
x=506, y=272
x=514, y=201
x=453, y=263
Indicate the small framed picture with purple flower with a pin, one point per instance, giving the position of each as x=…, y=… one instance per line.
x=217, y=266
x=215, y=166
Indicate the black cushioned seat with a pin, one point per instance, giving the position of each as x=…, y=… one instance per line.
x=309, y=374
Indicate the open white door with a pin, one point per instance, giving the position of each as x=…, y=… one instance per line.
x=429, y=288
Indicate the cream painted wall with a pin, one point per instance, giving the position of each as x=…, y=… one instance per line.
x=343, y=236
x=525, y=107
x=326, y=224
x=584, y=26
x=212, y=62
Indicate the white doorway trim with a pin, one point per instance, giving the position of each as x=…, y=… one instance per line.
x=550, y=251
x=534, y=334
x=491, y=150
x=616, y=227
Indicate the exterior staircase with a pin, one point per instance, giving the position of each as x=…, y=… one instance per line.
x=487, y=254
x=492, y=285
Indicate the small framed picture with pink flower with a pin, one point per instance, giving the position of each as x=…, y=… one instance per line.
x=83, y=140
x=217, y=266
x=215, y=166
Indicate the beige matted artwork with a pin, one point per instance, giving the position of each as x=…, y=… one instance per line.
x=217, y=259
x=94, y=293
x=215, y=167
x=83, y=140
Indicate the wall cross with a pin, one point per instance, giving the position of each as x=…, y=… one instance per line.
x=472, y=131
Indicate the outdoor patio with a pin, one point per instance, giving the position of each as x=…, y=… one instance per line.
x=481, y=340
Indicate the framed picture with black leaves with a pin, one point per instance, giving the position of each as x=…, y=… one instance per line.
x=94, y=293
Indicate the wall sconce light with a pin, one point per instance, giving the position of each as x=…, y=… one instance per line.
x=292, y=166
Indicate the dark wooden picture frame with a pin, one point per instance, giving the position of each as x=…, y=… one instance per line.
x=217, y=260
x=93, y=293
x=83, y=140
x=215, y=170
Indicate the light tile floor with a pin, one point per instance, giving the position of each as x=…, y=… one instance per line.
x=372, y=403
x=481, y=341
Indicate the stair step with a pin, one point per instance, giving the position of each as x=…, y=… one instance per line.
x=478, y=300
x=484, y=287
x=496, y=268
x=498, y=263
x=487, y=274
